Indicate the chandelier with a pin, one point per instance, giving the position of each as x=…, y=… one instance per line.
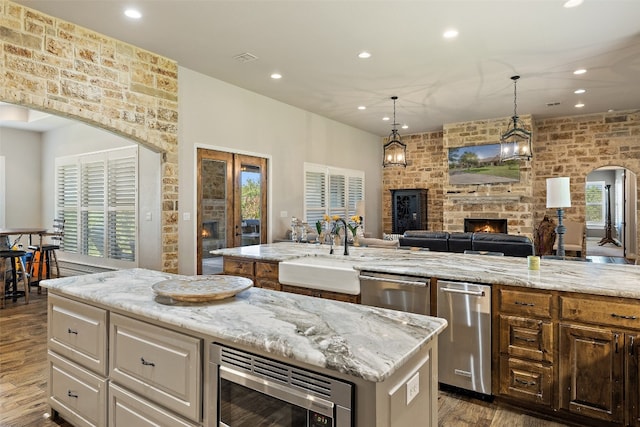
x=515, y=143
x=395, y=151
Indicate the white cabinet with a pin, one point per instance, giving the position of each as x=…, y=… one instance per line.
x=77, y=342
x=109, y=369
x=128, y=409
x=79, y=395
x=157, y=363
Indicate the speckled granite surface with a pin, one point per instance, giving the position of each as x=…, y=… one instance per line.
x=571, y=276
x=361, y=341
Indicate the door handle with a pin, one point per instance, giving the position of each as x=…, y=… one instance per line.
x=463, y=292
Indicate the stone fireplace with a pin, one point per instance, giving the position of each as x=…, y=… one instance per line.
x=485, y=225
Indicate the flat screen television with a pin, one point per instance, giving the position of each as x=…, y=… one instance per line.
x=480, y=164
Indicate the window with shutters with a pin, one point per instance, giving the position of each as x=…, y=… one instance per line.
x=331, y=191
x=96, y=196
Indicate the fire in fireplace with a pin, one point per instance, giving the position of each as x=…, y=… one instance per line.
x=485, y=225
x=210, y=230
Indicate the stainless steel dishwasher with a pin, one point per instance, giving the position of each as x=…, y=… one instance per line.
x=397, y=292
x=464, y=347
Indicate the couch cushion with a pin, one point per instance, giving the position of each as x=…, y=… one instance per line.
x=434, y=240
x=427, y=234
x=509, y=244
x=460, y=242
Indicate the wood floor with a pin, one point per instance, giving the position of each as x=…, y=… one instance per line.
x=23, y=379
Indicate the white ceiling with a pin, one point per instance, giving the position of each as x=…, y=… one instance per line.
x=314, y=45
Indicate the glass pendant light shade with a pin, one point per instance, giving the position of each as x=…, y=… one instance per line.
x=515, y=143
x=395, y=151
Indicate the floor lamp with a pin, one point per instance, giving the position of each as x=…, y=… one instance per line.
x=559, y=196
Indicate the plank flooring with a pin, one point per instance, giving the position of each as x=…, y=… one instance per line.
x=23, y=379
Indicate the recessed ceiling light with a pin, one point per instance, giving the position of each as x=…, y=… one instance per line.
x=362, y=107
x=579, y=71
x=385, y=119
x=579, y=91
x=364, y=55
x=276, y=76
x=450, y=34
x=572, y=3
x=133, y=14
x=405, y=126
x=579, y=105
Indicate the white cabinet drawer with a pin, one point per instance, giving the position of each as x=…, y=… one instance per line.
x=127, y=409
x=79, y=332
x=78, y=395
x=162, y=365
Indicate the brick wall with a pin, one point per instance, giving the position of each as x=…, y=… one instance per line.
x=563, y=146
x=58, y=67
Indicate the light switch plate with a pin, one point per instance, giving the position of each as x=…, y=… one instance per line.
x=413, y=387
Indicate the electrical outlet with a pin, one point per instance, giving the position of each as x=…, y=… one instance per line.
x=413, y=387
x=284, y=214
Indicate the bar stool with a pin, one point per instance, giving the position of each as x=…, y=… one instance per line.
x=45, y=253
x=14, y=257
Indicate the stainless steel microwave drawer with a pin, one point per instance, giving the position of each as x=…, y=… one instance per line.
x=159, y=364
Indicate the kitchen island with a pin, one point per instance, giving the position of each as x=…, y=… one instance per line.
x=131, y=351
x=564, y=338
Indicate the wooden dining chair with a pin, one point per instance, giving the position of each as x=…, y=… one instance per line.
x=18, y=270
x=44, y=254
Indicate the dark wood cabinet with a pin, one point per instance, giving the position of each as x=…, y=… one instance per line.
x=409, y=210
x=591, y=372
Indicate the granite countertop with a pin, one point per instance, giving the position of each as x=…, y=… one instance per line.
x=616, y=280
x=361, y=341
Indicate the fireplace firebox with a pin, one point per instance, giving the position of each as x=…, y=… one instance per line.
x=485, y=225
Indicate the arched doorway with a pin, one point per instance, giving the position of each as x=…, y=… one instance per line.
x=610, y=212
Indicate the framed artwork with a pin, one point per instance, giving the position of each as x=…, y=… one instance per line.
x=480, y=164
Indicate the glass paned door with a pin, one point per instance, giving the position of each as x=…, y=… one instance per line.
x=231, y=205
x=251, y=200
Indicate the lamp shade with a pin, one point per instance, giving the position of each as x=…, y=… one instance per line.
x=360, y=208
x=558, y=192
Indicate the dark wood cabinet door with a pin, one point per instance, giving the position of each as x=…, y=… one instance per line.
x=632, y=383
x=591, y=369
x=409, y=210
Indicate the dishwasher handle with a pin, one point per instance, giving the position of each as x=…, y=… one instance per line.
x=397, y=281
x=463, y=292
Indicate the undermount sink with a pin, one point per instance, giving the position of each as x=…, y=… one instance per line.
x=325, y=273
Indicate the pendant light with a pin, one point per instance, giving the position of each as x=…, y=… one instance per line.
x=515, y=143
x=395, y=151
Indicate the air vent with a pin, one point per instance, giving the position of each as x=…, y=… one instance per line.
x=553, y=104
x=245, y=57
x=310, y=382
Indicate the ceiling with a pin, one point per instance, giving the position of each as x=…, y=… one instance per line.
x=314, y=45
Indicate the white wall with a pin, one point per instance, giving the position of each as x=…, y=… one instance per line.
x=214, y=114
x=79, y=138
x=23, y=179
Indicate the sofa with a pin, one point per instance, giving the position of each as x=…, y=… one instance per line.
x=444, y=241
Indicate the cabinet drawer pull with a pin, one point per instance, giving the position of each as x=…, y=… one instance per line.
x=526, y=304
x=71, y=394
x=145, y=363
x=515, y=337
x=71, y=331
x=523, y=382
x=622, y=316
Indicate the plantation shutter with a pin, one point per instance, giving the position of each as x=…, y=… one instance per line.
x=97, y=196
x=356, y=193
x=122, y=208
x=93, y=204
x=67, y=201
x=331, y=191
x=315, y=193
x=337, y=195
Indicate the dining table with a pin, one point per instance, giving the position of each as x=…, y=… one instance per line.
x=10, y=238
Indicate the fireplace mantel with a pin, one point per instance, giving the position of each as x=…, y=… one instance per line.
x=482, y=198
